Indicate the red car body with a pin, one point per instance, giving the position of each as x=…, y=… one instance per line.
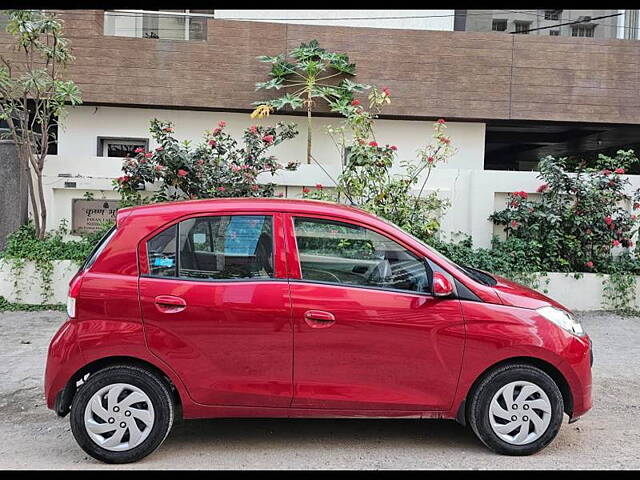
x=252, y=349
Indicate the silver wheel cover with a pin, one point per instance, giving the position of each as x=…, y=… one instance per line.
x=119, y=417
x=520, y=413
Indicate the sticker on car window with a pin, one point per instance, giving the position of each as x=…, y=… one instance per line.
x=163, y=262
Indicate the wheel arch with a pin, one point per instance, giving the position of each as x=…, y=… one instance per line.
x=546, y=367
x=65, y=396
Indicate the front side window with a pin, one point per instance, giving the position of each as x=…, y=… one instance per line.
x=345, y=254
x=214, y=248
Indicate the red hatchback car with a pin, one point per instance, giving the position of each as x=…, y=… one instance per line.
x=297, y=308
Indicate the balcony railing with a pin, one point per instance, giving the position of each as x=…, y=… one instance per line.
x=167, y=25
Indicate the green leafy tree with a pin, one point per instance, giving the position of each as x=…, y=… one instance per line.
x=313, y=73
x=34, y=94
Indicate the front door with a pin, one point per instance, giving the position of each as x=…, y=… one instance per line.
x=368, y=335
x=216, y=308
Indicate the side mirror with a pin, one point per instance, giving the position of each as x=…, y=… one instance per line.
x=442, y=286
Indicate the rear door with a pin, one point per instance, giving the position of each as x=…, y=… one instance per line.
x=368, y=335
x=216, y=308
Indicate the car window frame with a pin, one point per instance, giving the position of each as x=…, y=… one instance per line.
x=294, y=256
x=277, y=252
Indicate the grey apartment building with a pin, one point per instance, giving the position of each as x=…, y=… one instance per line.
x=602, y=24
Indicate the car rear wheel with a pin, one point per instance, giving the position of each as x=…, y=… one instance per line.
x=121, y=414
x=516, y=410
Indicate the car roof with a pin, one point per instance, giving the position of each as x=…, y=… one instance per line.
x=186, y=207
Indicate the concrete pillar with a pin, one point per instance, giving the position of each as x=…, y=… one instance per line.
x=14, y=196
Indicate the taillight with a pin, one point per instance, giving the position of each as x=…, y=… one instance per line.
x=74, y=290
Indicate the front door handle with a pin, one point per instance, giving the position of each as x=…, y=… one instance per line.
x=170, y=303
x=319, y=318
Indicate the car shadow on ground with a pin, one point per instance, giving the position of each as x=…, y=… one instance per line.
x=282, y=433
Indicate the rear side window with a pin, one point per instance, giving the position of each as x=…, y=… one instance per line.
x=99, y=248
x=162, y=253
x=226, y=247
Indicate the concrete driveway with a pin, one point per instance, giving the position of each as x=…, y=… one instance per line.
x=608, y=437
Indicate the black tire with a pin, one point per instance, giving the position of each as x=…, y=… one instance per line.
x=482, y=394
x=157, y=391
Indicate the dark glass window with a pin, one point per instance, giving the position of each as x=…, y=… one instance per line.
x=161, y=251
x=226, y=247
x=499, y=25
x=346, y=254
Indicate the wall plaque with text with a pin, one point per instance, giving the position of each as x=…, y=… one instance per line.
x=88, y=216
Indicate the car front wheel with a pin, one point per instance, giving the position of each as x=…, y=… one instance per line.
x=516, y=410
x=121, y=414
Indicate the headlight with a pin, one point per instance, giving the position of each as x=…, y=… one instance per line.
x=563, y=319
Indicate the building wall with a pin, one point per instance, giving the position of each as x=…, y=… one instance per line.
x=430, y=19
x=457, y=75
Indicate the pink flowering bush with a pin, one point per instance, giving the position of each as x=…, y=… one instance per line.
x=218, y=167
x=579, y=218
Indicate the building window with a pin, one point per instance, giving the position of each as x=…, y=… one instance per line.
x=552, y=14
x=161, y=24
x=522, y=27
x=499, y=25
x=582, y=30
x=120, y=147
x=554, y=33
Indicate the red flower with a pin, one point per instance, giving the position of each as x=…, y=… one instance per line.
x=148, y=155
x=520, y=194
x=634, y=217
x=159, y=168
x=441, y=121
x=514, y=224
x=444, y=140
x=373, y=144
x=608, y=220
x=393, y=147
x=139, y=150
x=431, y=160
x=267, y=139
x=636, y=206
x=212, y=143
x=589, y=264
x=386, y=91
x=253, y=129
x=222, y=124
x=616, y=243
x=221, y=189
x=159, y=149
x=361, y=141
x=355, y=103
x=167, y=129
x=305, y=190
x=182, y=173
x=254, y=187
x=216, y=131
x=619, y=171
x=606, y=171
x=319, y=186
x=543, y=188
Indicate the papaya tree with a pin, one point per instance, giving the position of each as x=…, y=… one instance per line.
x=307, y=74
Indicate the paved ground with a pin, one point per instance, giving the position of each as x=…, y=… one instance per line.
x=607, y=438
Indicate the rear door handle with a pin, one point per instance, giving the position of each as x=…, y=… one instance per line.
x=319, y=318
x=170, y=303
